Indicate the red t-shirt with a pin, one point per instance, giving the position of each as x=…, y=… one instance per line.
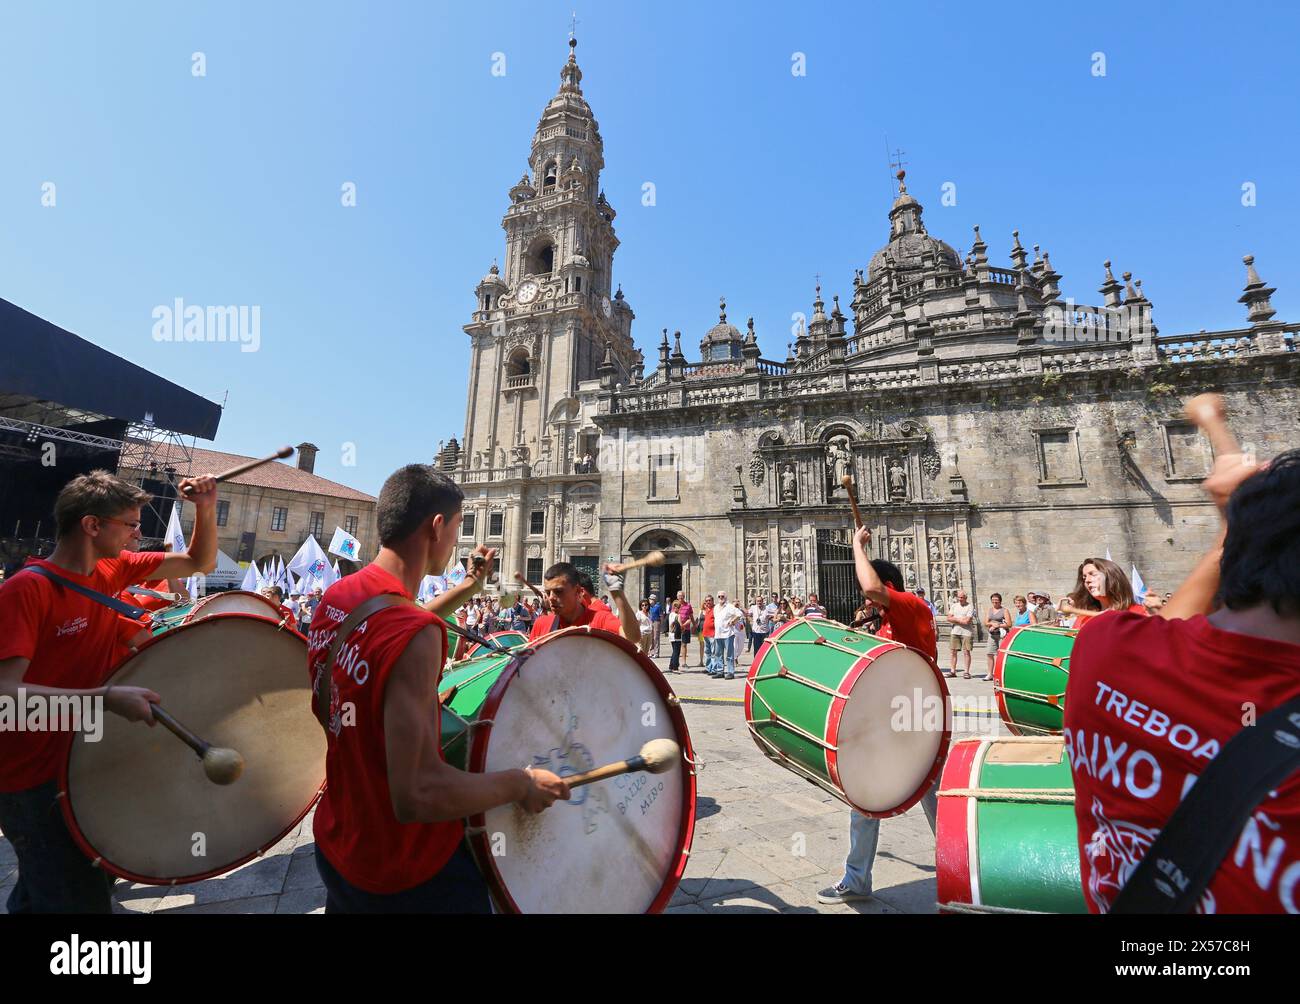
x=355, y=826
x=707, y=629
x=72, y=642
x=1150, y=702
x=597, y=615
x=908, y=620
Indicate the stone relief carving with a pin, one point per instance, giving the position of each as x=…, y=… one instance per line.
x=586, y=517
x=931, y=464
x=757, y=471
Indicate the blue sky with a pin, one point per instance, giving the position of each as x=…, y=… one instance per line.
x=225, y=189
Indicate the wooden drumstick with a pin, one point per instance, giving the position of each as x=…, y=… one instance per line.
x=220, y=764
x=280, y=454
x=523, y=581
x=1208, y=412
x=847, y=482
x=653, y=558
x=656, y=756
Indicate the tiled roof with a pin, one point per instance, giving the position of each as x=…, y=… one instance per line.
x=276, y=474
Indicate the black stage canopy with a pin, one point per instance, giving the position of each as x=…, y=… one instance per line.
x=43, y=361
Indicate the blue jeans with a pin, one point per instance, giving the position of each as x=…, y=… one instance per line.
x=729, y=654
x=54, y=876
x=713, y=655
x=864, y=834
x=458, y=888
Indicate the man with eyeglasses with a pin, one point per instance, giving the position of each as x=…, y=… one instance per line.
x=56, y=642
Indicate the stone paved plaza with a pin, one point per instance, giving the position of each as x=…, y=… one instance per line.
x=751, y=818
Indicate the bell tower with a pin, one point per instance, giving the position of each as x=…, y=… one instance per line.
x=546, y=317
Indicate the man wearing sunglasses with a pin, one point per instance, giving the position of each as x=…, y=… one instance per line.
x=58, y=642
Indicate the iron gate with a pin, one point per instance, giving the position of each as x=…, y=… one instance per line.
x=837, y=581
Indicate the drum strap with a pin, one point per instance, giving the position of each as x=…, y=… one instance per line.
x=320, y=697
x=112, y=602
x=1185, y=856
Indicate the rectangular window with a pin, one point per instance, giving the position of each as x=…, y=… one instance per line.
x=223, y=512
x=537, y=523
x=467, y=525
x=317, y=526
x=1059, y=462
x=535, y=571
x=1187, y=456
x=350, y=525
x=663, y=476
x=279, y=516
x=496, y=523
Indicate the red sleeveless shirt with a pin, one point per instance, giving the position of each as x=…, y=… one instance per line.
x=355, y=826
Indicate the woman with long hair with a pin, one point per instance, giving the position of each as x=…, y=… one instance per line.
x=1101, y=586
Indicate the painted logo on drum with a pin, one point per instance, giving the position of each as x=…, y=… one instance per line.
x=573, y=757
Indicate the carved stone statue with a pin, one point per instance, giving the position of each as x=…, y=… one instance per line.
x=789, y=483
x=501, y=457
x=838, y=461
x=897, y=481
x=934, y=551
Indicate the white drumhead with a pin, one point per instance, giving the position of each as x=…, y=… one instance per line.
x=235, y=602
x=882, y=765
x=581, y=702
x=139, y=796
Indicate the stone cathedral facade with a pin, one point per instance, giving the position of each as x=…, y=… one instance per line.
x=997, y=432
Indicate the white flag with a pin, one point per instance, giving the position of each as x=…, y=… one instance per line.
x=337, y=574
x=1108, y=557
x=427, y=588
x=250, y=583
x=1139, y=587
x=345, y=545
x=310, y=562
x=175, y=536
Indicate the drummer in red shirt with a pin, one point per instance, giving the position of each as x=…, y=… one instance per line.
x=389, y=825
x=574, y=606
x=56, y=642
x=905, y=618
x=1151, y=700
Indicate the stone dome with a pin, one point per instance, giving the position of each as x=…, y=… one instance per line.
x=906, y=250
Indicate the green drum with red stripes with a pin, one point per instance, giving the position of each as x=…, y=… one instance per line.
x=1030, y=673
x=461, y=693
x=167, y=618
x=1006, y=838
x=506, y=639
x=861, y=717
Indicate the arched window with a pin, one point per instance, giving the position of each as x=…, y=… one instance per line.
x=518, y=364
x=541, y=259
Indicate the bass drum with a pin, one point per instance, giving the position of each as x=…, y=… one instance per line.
x=1030, y=674
x=138, y=803
x=1006, y=839
x=236, y=601
x=863, y=718
x=579, y=699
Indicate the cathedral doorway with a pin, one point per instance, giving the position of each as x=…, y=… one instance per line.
x=673, y=576
x=664, y=581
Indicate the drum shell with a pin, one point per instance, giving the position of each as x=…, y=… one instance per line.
x=509, y=639
x=1010, y=854
x=170, y=617
x=818, y=713
x=1030, y=689
x=462, y=693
